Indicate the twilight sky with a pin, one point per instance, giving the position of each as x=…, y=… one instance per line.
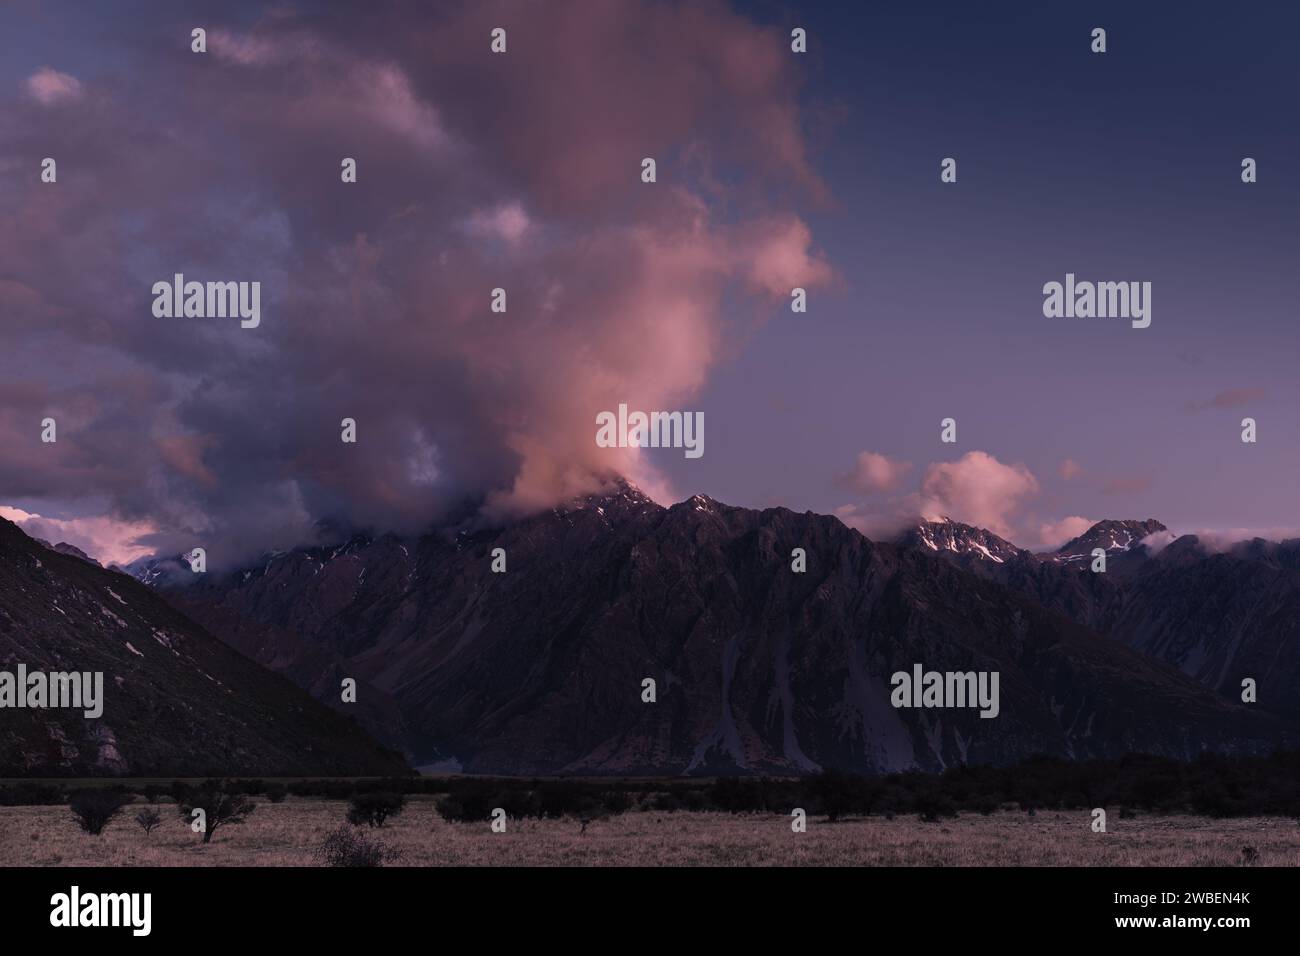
x=522, y=171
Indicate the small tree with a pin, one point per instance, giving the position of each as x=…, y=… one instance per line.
x=220, y=806
x=276, y=792
x=148, y=818
x=95, y=808
x=374, y=808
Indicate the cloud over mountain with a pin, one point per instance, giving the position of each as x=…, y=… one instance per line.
x=472, y=175
x=874, y=472
x=977, y=489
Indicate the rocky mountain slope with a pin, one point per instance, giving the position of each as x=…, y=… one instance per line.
x=1219, y=614
x=757, y=667
x=176, y=701
x=1110, y=536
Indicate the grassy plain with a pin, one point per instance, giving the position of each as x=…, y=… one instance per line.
x=285, y=834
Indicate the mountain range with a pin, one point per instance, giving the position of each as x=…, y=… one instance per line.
x=770, y=637
x=758, y=667
x=1220, y=615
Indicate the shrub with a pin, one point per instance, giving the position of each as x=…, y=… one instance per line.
x=373, y=809
x=616, y=801
x=837, y=794
x=94, y=809
x=276, y=792
x=666, y=802
x=933, y=807
x=452, y=809
x=348, y=847
x=147, y=819
x=467, y=806
x=735, y=795
x=553, y=798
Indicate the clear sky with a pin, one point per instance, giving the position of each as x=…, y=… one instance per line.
x=522, y=170
x=1118, y=166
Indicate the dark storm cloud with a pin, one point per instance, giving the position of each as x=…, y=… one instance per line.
x=476, y=171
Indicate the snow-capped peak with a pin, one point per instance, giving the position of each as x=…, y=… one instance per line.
x=1109, y=535
x=946, y=535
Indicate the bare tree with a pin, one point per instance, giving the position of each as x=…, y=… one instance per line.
x=148, y=818
x=220, y=806
x=95, y=808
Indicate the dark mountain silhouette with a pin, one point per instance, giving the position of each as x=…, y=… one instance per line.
x=539, y=670
x=177, y=701
x=64, y=548
x=1220, y=615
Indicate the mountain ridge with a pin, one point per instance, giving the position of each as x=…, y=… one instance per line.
x=759, y=668
x=177, y=701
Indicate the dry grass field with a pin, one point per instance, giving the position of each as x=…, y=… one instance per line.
x=285, y=834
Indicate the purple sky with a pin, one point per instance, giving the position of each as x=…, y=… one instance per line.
x=522, y=170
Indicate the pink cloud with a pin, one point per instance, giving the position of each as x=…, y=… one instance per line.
x=780, y=259
x=507, y=222
x=1069, y=469
x=878, y=524
x=1053, y=534
x=977, y=489
x=577, y=139
x=377, y=292
x=109, y=540
x=664, y=285
x=873, y=472
x=184, y=454
x=1127, y=485
x=49, y=86
x=1232, y=398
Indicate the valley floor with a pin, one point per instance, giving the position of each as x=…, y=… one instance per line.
x=285, y=834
